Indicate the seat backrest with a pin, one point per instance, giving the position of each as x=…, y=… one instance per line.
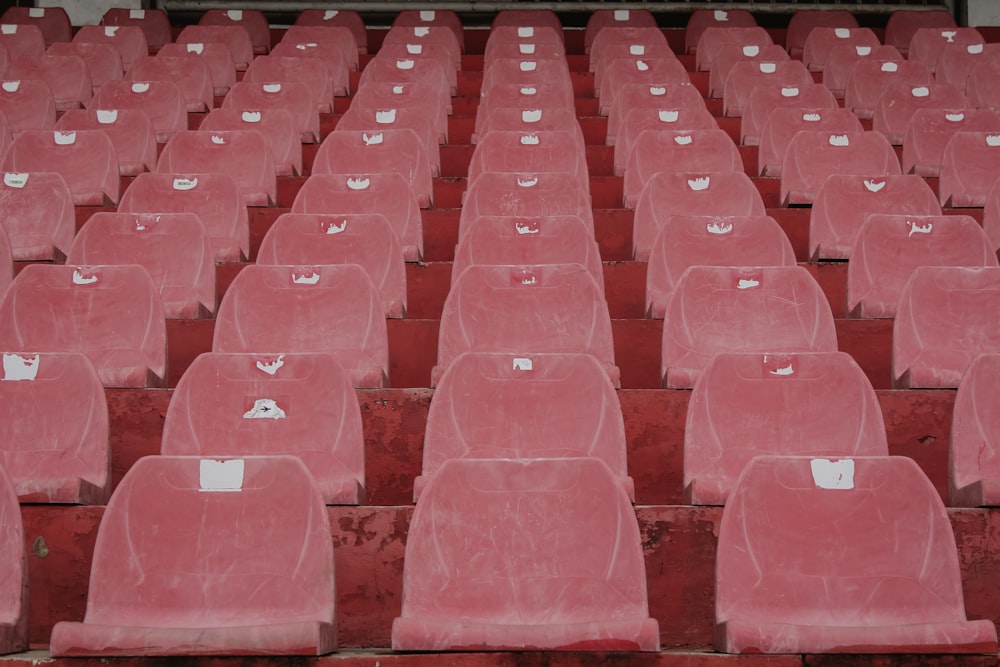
x=252, y=20
x=703, y=19
x=154, y=24
x=843, y=57
x=814, y=155
x=927, y=44
x=730, y=53
x=764, y=100
x=234, y=37
x=783, y=123
x=899, y=102
x=334, y=17
x=638, y=120
x=130, y=131
x=750, y=38
x=163, y=102
x=317, y=73
x=411, y=18
x=215, y=55
x=192, y=75
x=52, y=21
x=746, y=75
x=22, y=39
x=930, y=130
x=973, y=465
x=276, y=125
x=539, y=152
x=86, y=159
x=130, y=41
x=14, y=584
x=294, y=96
x=821, y=40
x=903, y=23
x=803, y=21
x=38, y=215
x=969, y=165
x=601, y=19
x=870, y=76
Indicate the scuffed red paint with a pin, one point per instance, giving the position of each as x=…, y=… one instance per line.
x=654, y=431
x=870, y=343
x=918, y=425
x=135, y=420
x=412, y=351
x=394, y=421
x=637, y=352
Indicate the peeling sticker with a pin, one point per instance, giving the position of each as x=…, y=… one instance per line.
x=397, y=90
x=305, y=276
x=82, y=276
x=768, y=68
x=385, y=116
x=863, y=50
x=529, y=140
x=330, y=227
x=273, y=366
x=330, y=14
x=657, y=91
x=107, y=116
x=528, y=182
x=196, y=47
x=218, y=140
x=812, y=117
x=841, y=33
x=522, y=364
x=234, y=14
x=916, y=228
x=265, y=408
x=641, y=66
x=359, y=183
x=993, y=139
x=721, y=15
x=64, y=138
x=890, y=67
x=668, y=115
x=531, y=115
x=954, y=117
x=920, y=91
x=839, y=140
x=13, y=180
x=751, y=50
x=421, y=31
x=683, y=140
x=779, y=365
x=372, y=139
x=221, y=475
x=790, y=92
x=527, y=65
x=8, y=28
x=637, y=50
x=11, y=86
x=414, y=49
x=526, y=227
x=110, y=30
x=700, y=183
x=17, y=367
x=747, y=283
x=526, y=49
x=719, y=227
x=526, y=31
x=305, y=46
x=185, y=183
x=250, y=116
x=873, y=185
x=140, y=87
x=829, y=474
x=524, y=278
x=145, y=221
x=137, y=14
x=271, y=88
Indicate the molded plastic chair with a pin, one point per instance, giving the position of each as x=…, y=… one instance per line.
x=973, y=472
x=814, y=155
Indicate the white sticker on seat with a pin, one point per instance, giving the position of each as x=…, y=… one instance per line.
x=82, y=276
x=137, y=14
x=668, y=115
x=372, y=139
x=529, y=139
x=747, y=283
x=526, y=49
x=8, y=28
x=265, y=408
x=385, y=116
x=841, y=33
x=185, y=183
x=621, y=14
x=405, y=64
x=271, y=367
x=700, y=183
x=331, y=227
x=304, y=46
x=234, y=14
x=524, y=227
x=811, y=117
x=839, y=140
x=790, y=92
x=528, y=90
x=522, y=364
x=140, y=87
x=17, y=367
x=106, y=116
x=641, y=66
x=975, y=49
x=917, y=228
x=13, y=180
x=528, y=65
x=873, y=185
x=414, y=49
x=421, y=31
x=250, y=116
x=863, y=50
x=305, y=276
x=145, y=221
x=751, y=50
x=954, y=117
x=920, y=91
x=330, y=14
x=657, y=91
x=993, y=139
x=398, y=90
x=683, y=140
x=719, y=227
x=428, y=15
x=949, y=35
x=195, y=47
x=358, y=183
x=637, y=50
x=11, y=86
x=271, y=87
x=890, y=66
x=526, y=31
x=218, y=140
x=36, y=12
x=768, y=68
x=531, y=115
x=110, y=30
x=216, y=476
x=829, y=474
x=529, y=182
x=721, y=15
x=62, y=138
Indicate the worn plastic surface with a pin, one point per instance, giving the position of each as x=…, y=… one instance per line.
x=27, y=105
x=703, y=19
x=242, y=154
x=822, y=39
x=764, y=100
x=130, y=41
x=252, y=20
x=130, y=131
x=216, y=55
x=333, y=17
x=86, y=159
x=395, y=53
x=6, y=262
x=532, y=121
x=635, y=43
x=38, y=215
x=276, y=125
x=898, y=103
x=22, y=39
x=903, y=23
x=101, y=61
x=969, y=166
x=507, y=41
x=930, y=130
x=731, y=53
x=66, y=76
x=320, y=41
x=541, y=554
x=793, y=576
x=615, y=18
x=234, y=37
x=525, y=194
x=973, y=465
x=294, y=96
x=163, y=102
x=413, y=18
x=637, y=121
x=668, y=97
x=783, y=123
x=870, y=76
x=803, y=21
x=325, y=78
x=429, y=38
x=750, y=39
x=746, y=75
x=991, y=215
x=52, y=21
x=14, y=585
x=536, y=152
x=927, y=44
x=843, y=57
x=154, y=24
x=957, y=61
x=980, y=86
x=192, y=75
x=420, y=72
x=622, y=72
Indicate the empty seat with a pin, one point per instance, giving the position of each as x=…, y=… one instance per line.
x=843, y=57
x=783, y=123
x=871, y=76
x=746, y=75
x=667, y=97
x=550, y=239
x=334, y=309
x=903, y=23
x=276, y=126
x=747, y=405
x=366, y=239
x=163, y=102
x=413, y=70
x=333, y=17
x=85, y=158
x=763, y=309
x=528, y=70
x=542, y=406
x=214, y=198
x=110, y=313
x=413, y=118
x=217, y=557
x=319, y=40
x=765, y=100
x=524, y=194
x=710, y=240
x=565, y=569
x=731, y=53
x=154, y=24
x=930, y=130
x=889, y=247
x=957, y=61
x=54, y=438
x=972, y=460
x=295, y=97
x=52, y=21
x=432, y=41
x=636, y=42
x=844, y=201
x=506, y=41
x=14, y=591
x=517, y=96
x=519, y=18
x=388, y=194
x=712, y=193
x=38, y=215
x=103, y=62
x=525, y=308
x=803, y=21
x=173, y=248
x=793, y=576
x=66, y=76
x=243, y=154
x=615, y=18
x=234, y=37
x=703, y=19
x=899, y=102
x=130, y=131
x=927, y=44
x=813, y=155
x=750, y=40
x=659, y=150
x=536, y=152
x=980, y=86
x=969, y=165
x=253, y=20
x=192, y=76
x=624, y=71
x=218, y=58
x=315, y=73
x=533, y=121
x=641, y=119
x=412, y=18
x=128, y=40
x=822, y=40
x=21, y=39
x=398, y=151
x=300, y=405
x=944, y=319
x=423, y=109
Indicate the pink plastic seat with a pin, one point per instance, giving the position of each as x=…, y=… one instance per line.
x=653, y=119
x=102, y=61
x=813, y=155
x=972, y=462
x=542, y=406
x=38, y=215
x=234, y=37
x=703, y=19
x=750, y=40
x=321, y=41
x=765, y=100
x=792, y=576
x=515, y=240
x=277, y=127
x=295, y=97
x=128, y=40
x=523, y=41
x=551, y=72
x=66, y=76
x=930, y=130
x=899, y=102
x=927, y=44
x=533, y=121
x=871, y=76
x=300, y=405
x=519, y=96
x=336, y=18
x=154, y=24
x=981, y=86
x=943, y=321
x=402, y=67
x=731, y=53
x=637, y=42
x=335, y=309
x=243, y=154
x=228, y=557
x=14, y=556
x=783, y=123
x=214, y=198
x=843, y=57
x=746, y=75
x=218, y=58
x=386, y=151
x=668, y=97
x=163, y=102
x=253, y=20
x=85, y=158
x=969, y=165
x=889, y=247
x=20, y=39
x=845, y=201
x=192, y=76
x=700, y=193
x=315, y=73
x=818, y=404
x=624, y=71
x=412, y=118
x=412, y=18
x=803, y=22
x=425, y=41
x=366, y=239
x=536, y=152
x=431, y=107
x=821, y=41
x=659, y=150
x=110, y=313
x=527, y=308
x=388, y=194
x=710, y=240
x=524, y=194
x=519, y=18
x=173, y=248
x=52, y=21
x=957, y=60
x=602, y=19
x=54, y=439
x=991, y=214
x=903, y=23
x=564, y=569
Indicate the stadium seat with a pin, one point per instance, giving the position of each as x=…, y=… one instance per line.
x=66, y=76
x=710, y=240
x=899, y=102
x=429, y=108
x=518, y=96
x=821, y=41
x=972, y=462
x=783, y=123
x=277, y=127
x=551, y=72
x=524, y=194
x=812, y=155
x=14, y=591
x=253, y=20
x=765, y=100
x=759, y=309
x=624, y=71
x=215, y=198
x=641, y=119
x=637, y=42
x=526, y=18
x=38, y=215
x=154, y=24
x=437, y=42
x=957, y=60
x=991, y=214
x=943, y=321
x=969, y=165
x=295, y=97
x=173, y=248
x=668, y=97
x=52, y=21
x=748, y=405
x=731, y=53
x=192, y=76
x=163, y=102
x=542, y=406
x=844, y=201
x=205, y=557
x=560, y=563
x=615, y=18
x=870, y=76
x=888, y=248
x=20, y=39
x=981, y=86
x=532, y=121
x=703, y=19
x=792, y=576
x=316, y=73
x=102, y=61
x=321, y=41
x=110, y=313
x=54, y=435
x=243, y=154
x=535, y=152
x=333, y=17
x=130, y=131
x=659, y=150
x=366, y=239
x=523, y=41
x=128, y=40
x=842, y=59
x=928, y=43
x=410, y=69
x=234, y=37
x=746, y=75
x=711, y=193
x=411, y=18
x=413, y=117
x=215, y=55
x=929, y=131
x=803, y=21
x=903, y=23
x=749, y=40
x=300, y=405
x=386, y=193
x=525, y=308
x=85, y=158
x=398, y=151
